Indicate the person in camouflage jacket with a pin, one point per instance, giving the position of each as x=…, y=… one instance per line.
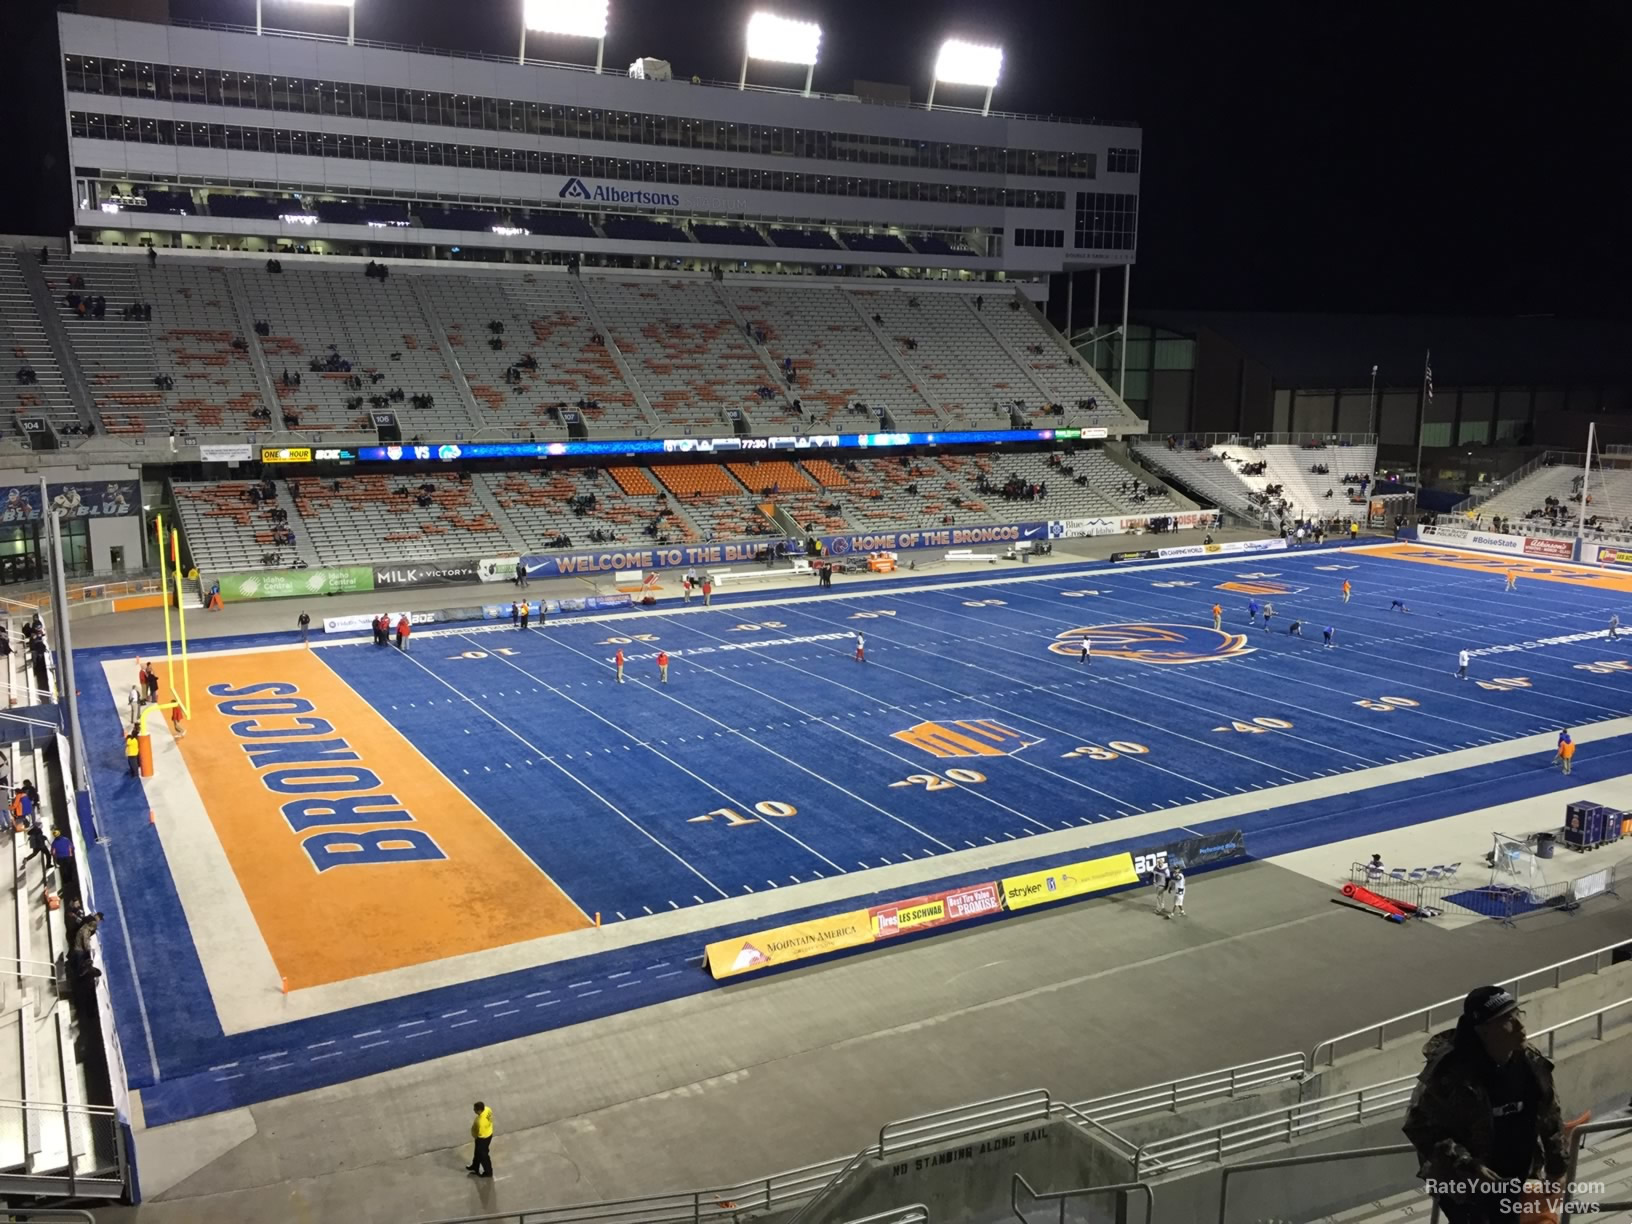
x=1484, y=1115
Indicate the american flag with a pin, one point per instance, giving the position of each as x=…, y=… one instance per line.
x=1428, y=374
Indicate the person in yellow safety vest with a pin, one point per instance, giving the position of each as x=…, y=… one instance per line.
x=481, y=1130
x=1354, y=531
x=133, y=752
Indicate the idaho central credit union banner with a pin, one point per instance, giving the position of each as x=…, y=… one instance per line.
x=74, y=499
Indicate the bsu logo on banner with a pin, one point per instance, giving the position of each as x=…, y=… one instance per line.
x=1151, y=643
x=972, y=737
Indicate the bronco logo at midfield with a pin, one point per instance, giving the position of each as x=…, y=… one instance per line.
x=1150, y=643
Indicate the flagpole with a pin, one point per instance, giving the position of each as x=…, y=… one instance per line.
x=1586, y=478
x=1422, y=419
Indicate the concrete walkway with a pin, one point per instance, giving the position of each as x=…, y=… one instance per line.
x=768, y=1075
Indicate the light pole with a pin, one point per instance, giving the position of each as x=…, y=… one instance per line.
x=1372, y=416
x=962, y=63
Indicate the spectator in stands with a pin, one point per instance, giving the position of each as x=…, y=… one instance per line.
x=152, y=256
x=1485, y=1115
x=980, y=302
x=39, y=843
x=62, y=857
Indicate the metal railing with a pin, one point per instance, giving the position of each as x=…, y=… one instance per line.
x=1545, y=459
x=1288, y=1125
x=1572, y=1186
x=804, y=1184
x=1422, y=1019
x=733, y=86
x=1062, y=1196
x=1313, y=440
x=90, y=1135
x=912, y=1213
x=1211, y=1085
x=1290, y=1162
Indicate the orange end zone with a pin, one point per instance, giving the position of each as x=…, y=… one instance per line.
x=298, y=775
x=1499, y=566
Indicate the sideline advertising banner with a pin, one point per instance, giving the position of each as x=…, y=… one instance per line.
x=932, y=537
x=228, y=453
x=1143, y=554
x=782, y=945
x=937, y=909
x=1192, y=852
x=290, y=584
x=1072, y=880
x=1234, y=546
x=1484, y=541
x=559, y=565
x=362, y=621
x=1557, y=550
x=554, y=607
x=425, y=573
x=1614, y=555
x=1080, y=529
x=496, y=569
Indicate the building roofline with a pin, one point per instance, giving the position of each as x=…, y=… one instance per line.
x=489, y=57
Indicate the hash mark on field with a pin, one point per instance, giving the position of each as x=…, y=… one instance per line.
x=514, y=1011
x=450, y=1015
x=462, y=1024
x=499, y=1003
x=231, y=1065
x=321, y=1057
x=279, y=1054
x=409, y=1023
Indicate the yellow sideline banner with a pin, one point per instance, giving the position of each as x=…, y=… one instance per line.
x=1073, y=880
x=780, y=945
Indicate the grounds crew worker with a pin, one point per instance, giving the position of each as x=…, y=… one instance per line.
x=1484, y=1115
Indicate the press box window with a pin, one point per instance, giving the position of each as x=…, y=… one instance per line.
x=1039, y=238
x=1122, y=161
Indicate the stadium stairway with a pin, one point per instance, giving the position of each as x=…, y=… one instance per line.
x=773, y=416
x=116, y=356
x=1065, y=372
x=974, y=380
x=482, y=490
x=421, y=290
x=1210, y=478
x=25, y=340
x=263, y=372
x=39, y=1069
x=619, y=361
x=1118, y=453
x=937, y=410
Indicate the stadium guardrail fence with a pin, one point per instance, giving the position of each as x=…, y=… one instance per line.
x=1061, y=1197
x=1297, y=1121
x=1422, y=1020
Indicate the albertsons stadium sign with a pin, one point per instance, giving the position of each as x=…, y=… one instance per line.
x=577, y=189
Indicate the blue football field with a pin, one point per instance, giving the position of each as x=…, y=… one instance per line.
x=773, y=758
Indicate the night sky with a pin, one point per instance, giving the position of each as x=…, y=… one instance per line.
x=1426, y=157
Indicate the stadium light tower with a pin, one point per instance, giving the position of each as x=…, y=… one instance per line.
x=783, y=41
x=961, y=63
x=574, y=18
x=351, y=15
